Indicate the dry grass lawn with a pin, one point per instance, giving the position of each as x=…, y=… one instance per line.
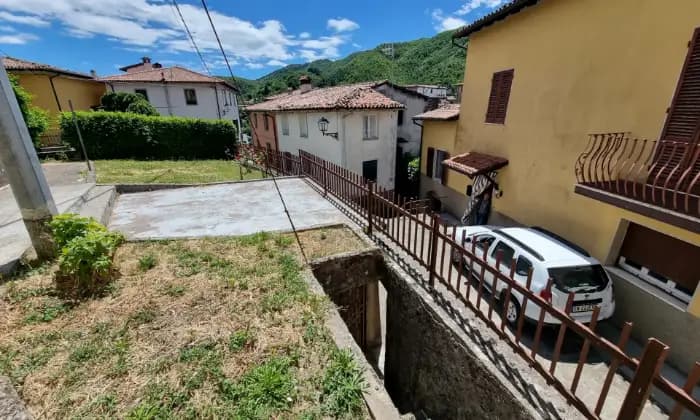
x=171, y=171
x=215, y=328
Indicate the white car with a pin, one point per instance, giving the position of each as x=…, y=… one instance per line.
x=549, y=256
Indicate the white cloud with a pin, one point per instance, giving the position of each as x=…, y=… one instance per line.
x=23, y=19
x=17, y=39
x=254, y=65
x=276, y=63
x=471, y=5
x=342, y=25
x=445, y=23
x=154, y=25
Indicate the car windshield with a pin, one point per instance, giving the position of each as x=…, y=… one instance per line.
x=578, y=278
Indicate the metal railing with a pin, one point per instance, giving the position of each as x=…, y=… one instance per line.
x=662, y=173
x=434, y=247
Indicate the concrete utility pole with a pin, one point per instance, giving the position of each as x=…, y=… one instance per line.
x=24, y=172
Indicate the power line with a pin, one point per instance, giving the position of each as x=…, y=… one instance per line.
x=189, y=34
x=221, y=47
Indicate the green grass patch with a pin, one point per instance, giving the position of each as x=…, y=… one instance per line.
x=343, y=385
x=171, y=172
x=147, y=262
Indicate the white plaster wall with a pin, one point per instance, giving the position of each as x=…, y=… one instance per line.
x=206, y=99
x=349, y=150
x=408, y=130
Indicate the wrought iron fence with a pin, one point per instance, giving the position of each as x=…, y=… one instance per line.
x=663, y=173
x=434, y=247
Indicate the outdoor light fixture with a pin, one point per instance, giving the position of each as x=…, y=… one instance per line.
x=323, y=126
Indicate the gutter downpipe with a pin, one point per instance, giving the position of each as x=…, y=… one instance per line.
x=167, y=97
x=53, y=88
x=218, y=108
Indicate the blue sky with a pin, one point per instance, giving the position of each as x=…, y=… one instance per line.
x=259, y=36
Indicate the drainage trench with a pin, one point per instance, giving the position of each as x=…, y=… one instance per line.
x=427, y=366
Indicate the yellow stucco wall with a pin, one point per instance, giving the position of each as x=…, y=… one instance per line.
x=441, y=135
x=83, y=93
x=580, y=67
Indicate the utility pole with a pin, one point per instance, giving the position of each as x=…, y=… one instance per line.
x=24, y=172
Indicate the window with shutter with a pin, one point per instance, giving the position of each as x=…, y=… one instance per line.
x=284, y=119
x=429, y=162
x=682, y=128
x=303, y=126
x=498, y=98
x=369, y=127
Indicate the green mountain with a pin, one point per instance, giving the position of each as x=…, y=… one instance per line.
x=427, y=60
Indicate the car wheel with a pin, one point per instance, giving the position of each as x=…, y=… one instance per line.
x=513, y=310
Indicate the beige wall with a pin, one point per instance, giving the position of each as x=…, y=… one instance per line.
x=441, y=135
x=84, y=93
x=580, y=67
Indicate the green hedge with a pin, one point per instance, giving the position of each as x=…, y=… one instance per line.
x=122, y=135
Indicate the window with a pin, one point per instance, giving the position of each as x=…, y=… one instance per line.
x=369, y=127
x=483, y=242
x=284, y=122
x=266, y=122
x=369, y=170
x=142, y=92
x=506, y=253
x=400, y=118
x=190, y=97
x=498, y=98
x=303, y=126
x=434, y=167
x=522, y=266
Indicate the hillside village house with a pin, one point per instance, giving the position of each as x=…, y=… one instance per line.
x=541, y=76
x=361, y=129
x=177, y=91
x=52, y=87
x=431, y=91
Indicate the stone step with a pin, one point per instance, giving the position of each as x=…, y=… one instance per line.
x=97, y=203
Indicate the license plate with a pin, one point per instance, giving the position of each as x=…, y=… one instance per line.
x=583, y=308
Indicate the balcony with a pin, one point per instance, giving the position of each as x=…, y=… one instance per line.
x=659, y=179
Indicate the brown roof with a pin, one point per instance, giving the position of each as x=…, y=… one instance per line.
x=444, y=113
x=17, y=64
x=501, y=13
x=474, y=163
x=173, y=74
x=357, y=96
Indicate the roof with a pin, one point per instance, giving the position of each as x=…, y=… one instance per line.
x=356, y=96
x=447, y=112
x=173, y=74
x=554, y=253
x=474, y=163
x=501, y=13
x=17, y=64
x=402, y=88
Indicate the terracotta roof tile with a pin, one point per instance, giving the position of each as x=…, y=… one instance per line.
x=173, y=74
x=444, y=113
x=18, y=64
x=474, y=163
x=356, y=96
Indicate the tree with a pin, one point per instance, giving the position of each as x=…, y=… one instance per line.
x=36, y=119
x=127, y=102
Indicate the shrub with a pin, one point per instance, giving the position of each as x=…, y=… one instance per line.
x=118, y=135
x=119, y=101
x=36, y=119
x=142, y=107
x=85, y=262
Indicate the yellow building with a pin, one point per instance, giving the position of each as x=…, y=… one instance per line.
x=543, y=75
x=52, y=87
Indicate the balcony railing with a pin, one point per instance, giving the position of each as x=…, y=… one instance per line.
x=661, y=173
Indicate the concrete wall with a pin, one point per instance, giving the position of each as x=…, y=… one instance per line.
x=655, y=316
x=349, y=150
x=169, y=99
x=84, y=93
x=415, y=105
x=565, y=87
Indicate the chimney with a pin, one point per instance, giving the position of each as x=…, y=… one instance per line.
x=304, y=84
x=93, y=73
x=146, y=60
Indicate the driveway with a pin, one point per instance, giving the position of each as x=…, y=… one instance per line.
x=222, y=210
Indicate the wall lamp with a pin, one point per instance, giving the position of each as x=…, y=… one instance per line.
x=323, y=126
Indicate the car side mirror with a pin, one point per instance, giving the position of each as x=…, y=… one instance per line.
x=469, y=190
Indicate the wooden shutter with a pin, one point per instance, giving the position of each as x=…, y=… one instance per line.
x=499, y=96
x=429, y=162
x=443, y=156
x=682, y=123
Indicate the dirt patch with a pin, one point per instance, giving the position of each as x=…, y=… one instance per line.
x=216, y=328
x=320, y=243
